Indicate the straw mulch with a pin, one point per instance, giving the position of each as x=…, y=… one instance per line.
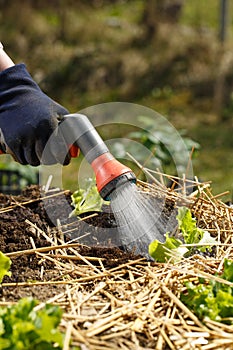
x=136, y=305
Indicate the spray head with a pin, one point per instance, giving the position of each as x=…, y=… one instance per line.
x=109, y=172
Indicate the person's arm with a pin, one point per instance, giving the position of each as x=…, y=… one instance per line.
x=28, y=118
x=5, y=60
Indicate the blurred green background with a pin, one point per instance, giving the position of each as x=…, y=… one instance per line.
x=164, y=54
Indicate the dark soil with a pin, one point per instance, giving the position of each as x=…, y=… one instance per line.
x=26, y=219
x=26, y=215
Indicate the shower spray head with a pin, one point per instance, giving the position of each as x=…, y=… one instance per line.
x=110, y=174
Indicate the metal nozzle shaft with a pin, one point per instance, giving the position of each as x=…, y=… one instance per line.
x=78, y=130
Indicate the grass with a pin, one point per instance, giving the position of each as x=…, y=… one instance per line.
x=215, y=160
x=201, y=13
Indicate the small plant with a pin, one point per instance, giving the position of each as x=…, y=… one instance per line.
x=212, y=299
x=173, y=248
x=87, y=199
x=5, y=264
x=23, y=328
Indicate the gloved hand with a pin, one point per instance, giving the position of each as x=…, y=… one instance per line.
x=27, y=119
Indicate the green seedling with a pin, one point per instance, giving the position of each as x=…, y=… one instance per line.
x=211, y=299
x=24, y=328
x=5, y=264
x=174, y=248
x=87, y=199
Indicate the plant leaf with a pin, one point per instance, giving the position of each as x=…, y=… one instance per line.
x=187, y=225
x=86, y=200
x=212, y=299
x=191, y=233
x=161, y=252
x=5, y=264
x=206, y=238
x=228, y=270
x=22, y=327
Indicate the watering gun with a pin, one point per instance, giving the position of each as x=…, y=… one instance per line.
x=109, y=172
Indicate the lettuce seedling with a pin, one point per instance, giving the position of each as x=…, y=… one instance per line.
x=173, y=248
x=5, y=264
x=21, y=327
x=212, y=299
x=161, y=252
x=87, y=199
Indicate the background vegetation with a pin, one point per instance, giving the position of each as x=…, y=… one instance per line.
x=164, y=54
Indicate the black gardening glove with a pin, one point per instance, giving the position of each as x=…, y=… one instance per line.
x=27, y=119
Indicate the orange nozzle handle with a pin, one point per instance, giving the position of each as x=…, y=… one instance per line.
x=107, y=170
x=74, y=151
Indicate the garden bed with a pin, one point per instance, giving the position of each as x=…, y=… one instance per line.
x=111, y=299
